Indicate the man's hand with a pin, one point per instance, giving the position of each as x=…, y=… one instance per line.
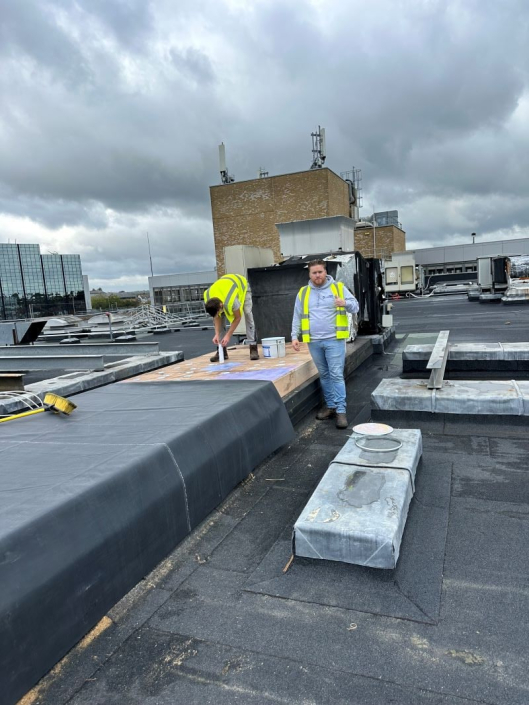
x=296, y=345
x=215, y=339
x=225, y=341
x=339, y=303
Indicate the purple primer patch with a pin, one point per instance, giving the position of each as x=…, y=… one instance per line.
x=268, y=374
x=223, y=367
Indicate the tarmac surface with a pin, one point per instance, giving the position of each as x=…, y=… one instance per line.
x=468, y=321
x=219, y=621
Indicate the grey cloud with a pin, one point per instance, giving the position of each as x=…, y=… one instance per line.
x=431, y=220
x=53, y=214
x=193, y=64
x=130, y=21
x=177, y=244
x=126, y=102
x=29, y=29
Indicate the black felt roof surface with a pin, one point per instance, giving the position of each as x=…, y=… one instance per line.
x=219, y=622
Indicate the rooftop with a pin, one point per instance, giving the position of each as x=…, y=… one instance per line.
x=220, y=621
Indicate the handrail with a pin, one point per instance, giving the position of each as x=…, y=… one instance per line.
x=437, y=361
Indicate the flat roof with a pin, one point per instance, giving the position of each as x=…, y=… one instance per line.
x=220, y=620
x=275, y=176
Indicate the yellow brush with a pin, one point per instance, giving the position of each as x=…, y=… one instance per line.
x=52, y=402
x=57, y=404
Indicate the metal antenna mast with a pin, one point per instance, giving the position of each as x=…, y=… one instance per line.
x=318, y=148
x=225, y=177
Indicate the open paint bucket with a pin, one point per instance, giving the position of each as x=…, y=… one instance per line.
x=273, y=347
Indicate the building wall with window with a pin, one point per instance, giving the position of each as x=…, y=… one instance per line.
x=179, y=292
x=457, y=259
x=34, y=285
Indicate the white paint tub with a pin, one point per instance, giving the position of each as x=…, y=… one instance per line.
x=273, y=347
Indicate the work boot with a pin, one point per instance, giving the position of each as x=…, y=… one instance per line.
x=341, y=421
x=325, y=413
x=215, y=357
x=254, y=353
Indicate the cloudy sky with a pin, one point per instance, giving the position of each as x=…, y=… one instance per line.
x=111, y=112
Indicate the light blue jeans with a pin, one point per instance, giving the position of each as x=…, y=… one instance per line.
x=329, y=358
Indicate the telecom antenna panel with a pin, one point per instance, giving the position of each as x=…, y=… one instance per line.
x=318, y=148
x=225, y=177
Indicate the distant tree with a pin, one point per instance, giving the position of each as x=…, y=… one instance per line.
x=113, y=301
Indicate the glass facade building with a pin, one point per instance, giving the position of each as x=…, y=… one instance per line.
x=33, y=285
x=387, y=218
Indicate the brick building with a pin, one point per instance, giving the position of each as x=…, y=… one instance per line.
x=386, y=239
x=246, y=212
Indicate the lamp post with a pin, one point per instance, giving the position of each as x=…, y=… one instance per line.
x=149, y=246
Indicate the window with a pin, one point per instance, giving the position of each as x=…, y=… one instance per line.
x=392, y=276
x=407, y=274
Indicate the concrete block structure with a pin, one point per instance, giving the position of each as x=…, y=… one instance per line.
x=383, y=240
x=246, y=212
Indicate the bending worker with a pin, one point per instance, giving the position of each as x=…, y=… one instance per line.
x=224, y=301
x=320, y=314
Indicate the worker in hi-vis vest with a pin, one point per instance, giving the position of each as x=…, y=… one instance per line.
x=225, y=299
x=320, y=316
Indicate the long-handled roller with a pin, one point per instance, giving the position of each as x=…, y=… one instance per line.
x=52, y=402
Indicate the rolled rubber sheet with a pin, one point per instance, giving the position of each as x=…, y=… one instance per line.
x=90, y=503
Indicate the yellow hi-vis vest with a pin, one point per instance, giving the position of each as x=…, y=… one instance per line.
x=226, y=289
x=342, y=323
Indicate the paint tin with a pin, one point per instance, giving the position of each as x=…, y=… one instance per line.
x=273, y=347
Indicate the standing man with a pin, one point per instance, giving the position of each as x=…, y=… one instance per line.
x=320, y=314
x=224, y=300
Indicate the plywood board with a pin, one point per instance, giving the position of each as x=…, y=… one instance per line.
x=287, y=373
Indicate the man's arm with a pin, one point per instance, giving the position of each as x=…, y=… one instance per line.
x=236, y=320
x=217, y=322
x=351, y=304
x=296, y=325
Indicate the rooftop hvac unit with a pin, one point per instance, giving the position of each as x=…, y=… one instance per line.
x=518, y=279
x=274, y=291
x=519, y=267
x=499, y=271
x=484, y=273
x=329, y=234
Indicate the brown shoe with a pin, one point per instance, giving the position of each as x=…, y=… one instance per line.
x=254, y=352
x=325, y=413
x=341, y=421
x=215, y=357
